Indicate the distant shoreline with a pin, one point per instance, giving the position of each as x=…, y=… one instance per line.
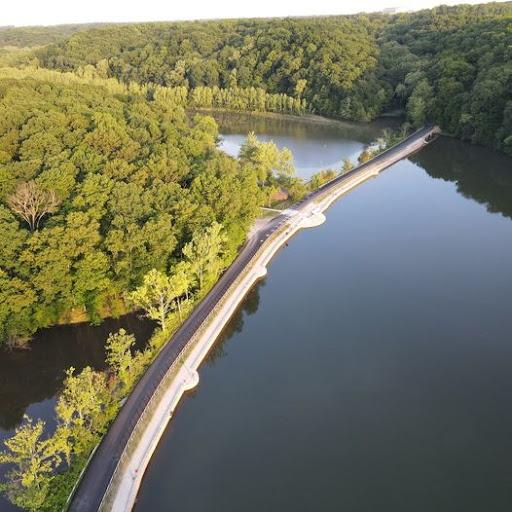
x=310, y=118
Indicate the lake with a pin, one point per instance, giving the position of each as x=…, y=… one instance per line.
x=372, y=369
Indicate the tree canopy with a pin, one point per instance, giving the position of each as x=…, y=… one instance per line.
x=97, y=189
x=451, y=65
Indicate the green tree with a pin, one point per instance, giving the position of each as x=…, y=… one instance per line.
x=155, y=296
x=347, y=165
x=17, y=301
x=420, y=103
x=266, y=157
x=296, y=188
x=300, y=87
x=364, y=156
x=119, y=349
x=204, y=253
x=180, y=280
x=83, y=409
x=33, y=461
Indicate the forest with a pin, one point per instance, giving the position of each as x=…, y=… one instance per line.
x=97, y=189
x=449, y=65
x=109, y=201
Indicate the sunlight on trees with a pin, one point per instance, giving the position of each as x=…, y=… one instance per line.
x=32, y=203
x=32, y=461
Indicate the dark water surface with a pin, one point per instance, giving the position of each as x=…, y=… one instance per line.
x=30, y=379
x=372, y=369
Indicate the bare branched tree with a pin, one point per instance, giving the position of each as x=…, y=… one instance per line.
x=32, y=203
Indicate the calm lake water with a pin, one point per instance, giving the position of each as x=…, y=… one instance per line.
x=372, y=369
x=316, y=145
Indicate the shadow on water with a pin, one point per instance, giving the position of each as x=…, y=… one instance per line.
x=461, y=163
x=302, y=128
x=36, y=374
x=236, y=324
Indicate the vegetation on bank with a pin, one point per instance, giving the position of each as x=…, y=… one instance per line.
x=99, y=185
x=388, y=139
x=451, y=65
x=43, y=467
x=111, y=195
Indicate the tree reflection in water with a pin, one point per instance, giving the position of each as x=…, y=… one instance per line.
x=249, y=307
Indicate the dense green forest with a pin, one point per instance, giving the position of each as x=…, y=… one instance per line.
x=318, y=58
x=98, y=188
x=451, y=65
x=111, y=197
x=454, y=65
x=38, y=36
x=17, y=44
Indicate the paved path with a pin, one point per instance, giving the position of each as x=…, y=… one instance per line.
x=96, y=479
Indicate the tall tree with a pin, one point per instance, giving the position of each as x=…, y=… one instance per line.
x=347, y=165
x=204, y=252
x=155, y=296
x=32, y=203
x=180, y=283
x=120, y=358
x=33, y=461
x=266, y=157
x=84, y=407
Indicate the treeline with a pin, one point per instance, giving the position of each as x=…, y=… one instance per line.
x=233, y=99
x=318, y=59
x=250, y=99
x=208, y=98
x=98, y=188
x=27, y=37
x=450, y=65
x=453, y=65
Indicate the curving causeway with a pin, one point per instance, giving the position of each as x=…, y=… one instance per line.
x=113, y=475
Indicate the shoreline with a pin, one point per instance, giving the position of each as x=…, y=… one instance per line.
x=116, y=307
x=307, y=117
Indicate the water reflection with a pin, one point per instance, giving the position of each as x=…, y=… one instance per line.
x=302, y=128
x=236, y=324
x=315, y=144
x=479, y=173
x=36, y=374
